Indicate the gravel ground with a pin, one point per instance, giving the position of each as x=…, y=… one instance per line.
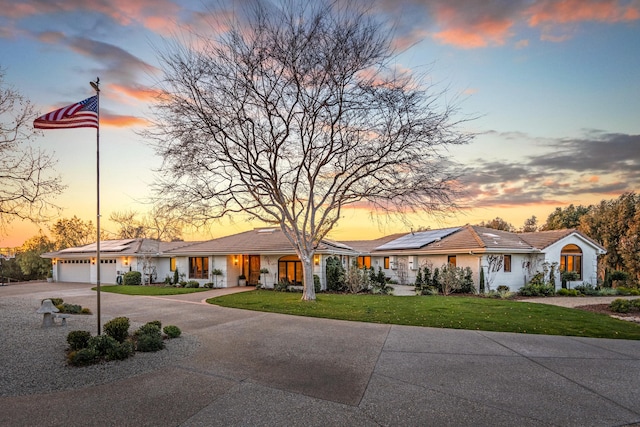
x=33, y=358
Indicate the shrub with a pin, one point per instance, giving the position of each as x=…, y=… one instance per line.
x=172, y=331
x=78, y=339
x=537, y=290
x=192, y=284
x=635, y=303
x=132, y=278
x=622, y=290
x=150, y=328
x=82, y=357
x=568, y=292
x=155, y=322
x=502, y=288
x=69, y=308
x=102, y=344
x=85, y=310
x=282, y=285
x=335, y=274
x=586, y=289
x=149, y=342
x=316, y=283
x=208, y=285
x=620, y=305
x=121, y=351
x=117, y=328
x=607, y=292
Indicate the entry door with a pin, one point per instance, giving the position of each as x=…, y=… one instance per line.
x=254, y=269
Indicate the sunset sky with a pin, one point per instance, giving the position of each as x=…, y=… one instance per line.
x=554, y=86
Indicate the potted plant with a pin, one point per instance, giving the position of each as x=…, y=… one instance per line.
x=242, y=280
x=50, y=276
x=264, y=271
x=215, y=273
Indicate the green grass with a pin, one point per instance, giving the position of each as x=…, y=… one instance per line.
x=149, y=290
x=455, y=312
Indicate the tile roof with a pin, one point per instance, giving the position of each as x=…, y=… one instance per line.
x=365, y=246
x=259, y=240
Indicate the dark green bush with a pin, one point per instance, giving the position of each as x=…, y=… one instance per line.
x=132, y=278
x=149, y=342
x=172, y=331
x=537, y=290
x=586, y=289
x=622, y=290
x=192, y=284
x=78, y=339
x=155, y=322
x=82, y=357
x=502, y=288
x=121, y=351
x=620, y=305
x=151, y=328
x=117, y=328
x=316, y=283
x=69, y=308
x=102, y=344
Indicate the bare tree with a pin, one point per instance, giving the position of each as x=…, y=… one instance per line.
x=27, y=183
x=294, y=114
x=494, y=265
x=158, y=224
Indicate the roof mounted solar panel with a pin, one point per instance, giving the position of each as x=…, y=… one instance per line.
x=417, y=240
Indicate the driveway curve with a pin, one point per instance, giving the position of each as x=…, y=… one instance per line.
x=237, y=367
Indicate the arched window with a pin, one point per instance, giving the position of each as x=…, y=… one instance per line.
x=571, y=259
x=290, y=268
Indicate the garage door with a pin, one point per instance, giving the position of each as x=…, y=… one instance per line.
x=108, y=271
x=74, y=270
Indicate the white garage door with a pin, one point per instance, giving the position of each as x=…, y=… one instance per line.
x=108, y=271
x=74, y=270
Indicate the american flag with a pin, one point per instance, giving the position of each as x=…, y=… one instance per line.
x=83, y=114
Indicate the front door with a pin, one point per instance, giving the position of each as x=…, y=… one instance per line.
x=254, y=270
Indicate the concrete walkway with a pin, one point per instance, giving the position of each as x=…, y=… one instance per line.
x=261, y=369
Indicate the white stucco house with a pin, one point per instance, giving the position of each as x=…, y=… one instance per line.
x=264, y=255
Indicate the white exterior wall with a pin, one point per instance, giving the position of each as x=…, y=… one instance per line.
x=516, y=278
x=589, y=259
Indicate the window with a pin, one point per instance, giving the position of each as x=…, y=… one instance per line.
x=172, y=264
x=451, y=259
x=507, y=263
x=290, y=268
x=198, y=267
x=571, y=259
x=386, y=263
x=364, y=261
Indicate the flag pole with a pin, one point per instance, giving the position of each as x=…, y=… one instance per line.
x=96, y=86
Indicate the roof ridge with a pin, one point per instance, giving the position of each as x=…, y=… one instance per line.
x=475, y=235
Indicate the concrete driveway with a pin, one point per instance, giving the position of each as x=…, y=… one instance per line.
x=261, y=369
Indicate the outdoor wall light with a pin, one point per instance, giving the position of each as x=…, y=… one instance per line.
x=235, y=260
x=93, y=260
x=126, y=261
x=54, y=261
x=316, y=259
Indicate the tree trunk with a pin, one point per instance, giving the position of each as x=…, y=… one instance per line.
x=309, y=292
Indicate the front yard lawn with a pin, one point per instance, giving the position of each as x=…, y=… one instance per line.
x=455, y=312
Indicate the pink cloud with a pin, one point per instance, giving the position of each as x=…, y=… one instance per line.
x=471, y=29
x=570, y=11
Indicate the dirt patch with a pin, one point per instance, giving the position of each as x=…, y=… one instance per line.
x=604, y=309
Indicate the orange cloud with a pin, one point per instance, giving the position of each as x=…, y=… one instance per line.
x=471, y=32
x=568, y=11
x=593, y=179
x=118, y=121
x=139, y=93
